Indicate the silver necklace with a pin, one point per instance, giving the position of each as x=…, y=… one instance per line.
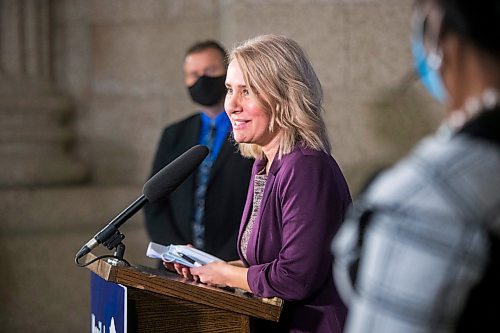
x=472, y=108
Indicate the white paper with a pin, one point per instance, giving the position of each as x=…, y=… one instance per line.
x=175, y=253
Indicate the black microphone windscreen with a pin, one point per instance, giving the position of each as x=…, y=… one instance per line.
x=171, y=176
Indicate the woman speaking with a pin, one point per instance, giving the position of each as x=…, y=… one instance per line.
x=297, y=194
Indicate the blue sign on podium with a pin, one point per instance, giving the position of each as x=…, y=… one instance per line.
x=108, y=306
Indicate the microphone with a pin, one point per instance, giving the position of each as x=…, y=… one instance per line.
x=162, y=183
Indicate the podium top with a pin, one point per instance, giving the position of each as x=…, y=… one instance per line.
x=170, y=284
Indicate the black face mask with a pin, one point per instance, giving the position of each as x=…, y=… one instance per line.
x=208, y=91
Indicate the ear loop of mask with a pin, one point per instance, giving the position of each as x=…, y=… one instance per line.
x=427, y=64
x=435, y=57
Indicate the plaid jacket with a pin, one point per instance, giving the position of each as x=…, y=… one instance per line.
x=427, y=241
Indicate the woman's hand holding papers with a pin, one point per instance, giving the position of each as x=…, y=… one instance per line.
x=179, y=268
x=218, y=274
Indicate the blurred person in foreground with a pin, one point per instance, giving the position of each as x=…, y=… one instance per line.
x=420, y=250
x=297, y=195
x=205, y=210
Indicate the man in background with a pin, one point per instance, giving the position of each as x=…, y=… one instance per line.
x=206, y=209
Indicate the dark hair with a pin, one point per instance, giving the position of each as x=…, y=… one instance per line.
x=475, y=20
x=208, y=44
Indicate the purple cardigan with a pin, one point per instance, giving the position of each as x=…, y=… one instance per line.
x=303, y=204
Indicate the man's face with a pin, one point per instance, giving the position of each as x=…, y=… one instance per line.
x=208, y=62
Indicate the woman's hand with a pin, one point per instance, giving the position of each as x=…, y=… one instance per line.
x=221, y=274
x=213, y=273
x=217, y=273
x=180, y=269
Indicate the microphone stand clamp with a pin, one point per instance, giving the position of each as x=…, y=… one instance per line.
x=114, y=241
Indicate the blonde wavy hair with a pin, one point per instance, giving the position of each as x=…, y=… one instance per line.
x=281, y=76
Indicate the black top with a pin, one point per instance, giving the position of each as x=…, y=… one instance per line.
x=481, y=309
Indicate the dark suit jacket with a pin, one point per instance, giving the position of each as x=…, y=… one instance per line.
x=168, y=220
x=303, y=204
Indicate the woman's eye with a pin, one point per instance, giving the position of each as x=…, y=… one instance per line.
x=245, y=92
x=229, y=90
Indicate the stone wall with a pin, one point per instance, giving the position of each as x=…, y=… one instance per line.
x=360, y=50
x=116, y=71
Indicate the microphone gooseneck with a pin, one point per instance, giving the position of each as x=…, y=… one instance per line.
x=162, y=183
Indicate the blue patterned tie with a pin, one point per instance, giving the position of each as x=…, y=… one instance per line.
x=202, y=178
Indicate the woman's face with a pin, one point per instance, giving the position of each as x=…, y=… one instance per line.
x=250, y=122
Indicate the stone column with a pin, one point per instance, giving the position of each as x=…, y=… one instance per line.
x=36, y=137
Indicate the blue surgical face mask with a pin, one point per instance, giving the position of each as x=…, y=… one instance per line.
x=426, y=69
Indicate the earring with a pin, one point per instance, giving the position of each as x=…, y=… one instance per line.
x=435, y=59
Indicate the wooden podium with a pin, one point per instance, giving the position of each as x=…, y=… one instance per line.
x=160, y=301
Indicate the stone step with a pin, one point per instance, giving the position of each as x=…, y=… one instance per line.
x=80, y=211
x=63, y=207
x=40, y=232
